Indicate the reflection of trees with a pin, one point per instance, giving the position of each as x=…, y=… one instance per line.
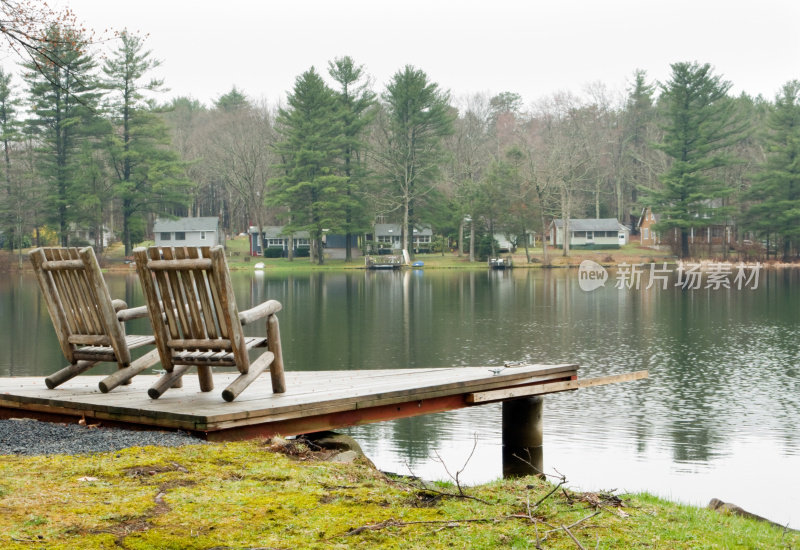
x=722, y=363
x=29, y=345
x=414, y=440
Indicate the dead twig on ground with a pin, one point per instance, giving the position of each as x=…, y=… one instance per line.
x=394, y=523
x=576, y=541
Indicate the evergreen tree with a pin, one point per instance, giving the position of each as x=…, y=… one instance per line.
x=700, y=124
x=9, y=134
x=356, y=104
x=20, y=200
x=777, y=184
x=419, y=117
x=310, y=146
x=636, y=167
x=232, y=101
x=63, y=96
x=149, y=176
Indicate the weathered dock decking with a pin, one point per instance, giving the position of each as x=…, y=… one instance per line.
x=314, y=400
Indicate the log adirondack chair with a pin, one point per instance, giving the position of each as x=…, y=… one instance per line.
x=196, y=322
x=88, y=323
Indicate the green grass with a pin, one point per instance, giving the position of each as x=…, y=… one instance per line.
x=242, y=495
x=238, y=258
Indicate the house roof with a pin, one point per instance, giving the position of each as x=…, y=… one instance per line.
x=657, y=217
x=186, y=224
x=395, y=229
x=592, y=224
x=276, y=232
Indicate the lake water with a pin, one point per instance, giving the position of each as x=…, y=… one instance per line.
x=719, y=416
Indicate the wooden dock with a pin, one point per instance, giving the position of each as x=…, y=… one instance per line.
x=314, y=401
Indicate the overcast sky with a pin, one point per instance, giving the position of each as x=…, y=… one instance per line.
x=533, y=48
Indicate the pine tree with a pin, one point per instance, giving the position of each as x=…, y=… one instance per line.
x=15, y=208
x=419, y=117
x=232, y=101
x=356, y=104
x=777, y=184
x=701, y=123
x=63, y=94
x=149, y=176
x=310, y=146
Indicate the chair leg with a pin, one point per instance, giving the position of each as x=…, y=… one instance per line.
x=67, y=373
x=274, y=345
x=166, y=381
x=123, y=376
x=243, y=380
x=206, y=379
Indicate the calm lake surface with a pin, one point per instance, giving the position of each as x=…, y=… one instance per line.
x=719, y=416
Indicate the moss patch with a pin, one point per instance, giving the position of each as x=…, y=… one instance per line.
x=242, y=495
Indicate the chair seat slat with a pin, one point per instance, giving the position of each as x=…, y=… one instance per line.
x=89, y=340
x=215, y=344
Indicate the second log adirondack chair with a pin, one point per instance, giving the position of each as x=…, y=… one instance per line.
x=196, y=322
x=88, y=323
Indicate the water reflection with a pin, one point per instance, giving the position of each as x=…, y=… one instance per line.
x=718, y=417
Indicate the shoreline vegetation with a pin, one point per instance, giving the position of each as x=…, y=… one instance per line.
x=292, y=494
x=113, y=259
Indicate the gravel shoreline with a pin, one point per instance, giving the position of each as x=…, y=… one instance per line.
x=31, y=437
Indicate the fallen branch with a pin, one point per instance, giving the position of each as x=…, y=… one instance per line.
x=565, y=528
x=394, y=523
x=422, y=486
x=573, y=525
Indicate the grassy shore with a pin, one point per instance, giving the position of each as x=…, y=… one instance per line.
x=238, y=259
x=113, y=259
x=244, y=495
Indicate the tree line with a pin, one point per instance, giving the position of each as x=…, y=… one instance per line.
x=85, y=144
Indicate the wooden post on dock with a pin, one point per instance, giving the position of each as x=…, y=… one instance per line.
x=523, y=454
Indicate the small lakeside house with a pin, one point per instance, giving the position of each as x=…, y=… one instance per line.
x=590, y=233
x=275, y=238
x=719, y=234
x=647, y=236
x=388, y=235
x=188, y=232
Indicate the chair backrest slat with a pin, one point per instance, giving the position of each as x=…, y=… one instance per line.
x=84, y=296
x=186, y=277
x=174, y=286
x=65, y=293
x=214, y=286
x=206, y=301
x=78, y=301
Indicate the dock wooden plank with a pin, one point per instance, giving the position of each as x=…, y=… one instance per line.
x=310, y=394
x=553, y=387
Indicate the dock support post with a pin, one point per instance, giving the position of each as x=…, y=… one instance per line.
x=522, y=437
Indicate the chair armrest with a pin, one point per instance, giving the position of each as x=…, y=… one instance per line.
x=260, y=311
x=132, y=313
x=119, y=305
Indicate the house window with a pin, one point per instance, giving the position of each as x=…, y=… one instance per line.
x=645, y=234
x=384, y=238
x=275, y=242
x=589, y=235
x=301, y=242
x=166, y=236
x=180, y=236
x=203, y=235
x=422, y=238
x=579, y=234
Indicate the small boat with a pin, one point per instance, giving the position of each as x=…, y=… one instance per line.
x=259, y=265
x=418, y=264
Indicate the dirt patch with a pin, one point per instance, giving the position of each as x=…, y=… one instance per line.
x=147, y=471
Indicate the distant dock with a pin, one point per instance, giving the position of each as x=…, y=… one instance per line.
x=384, y=262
